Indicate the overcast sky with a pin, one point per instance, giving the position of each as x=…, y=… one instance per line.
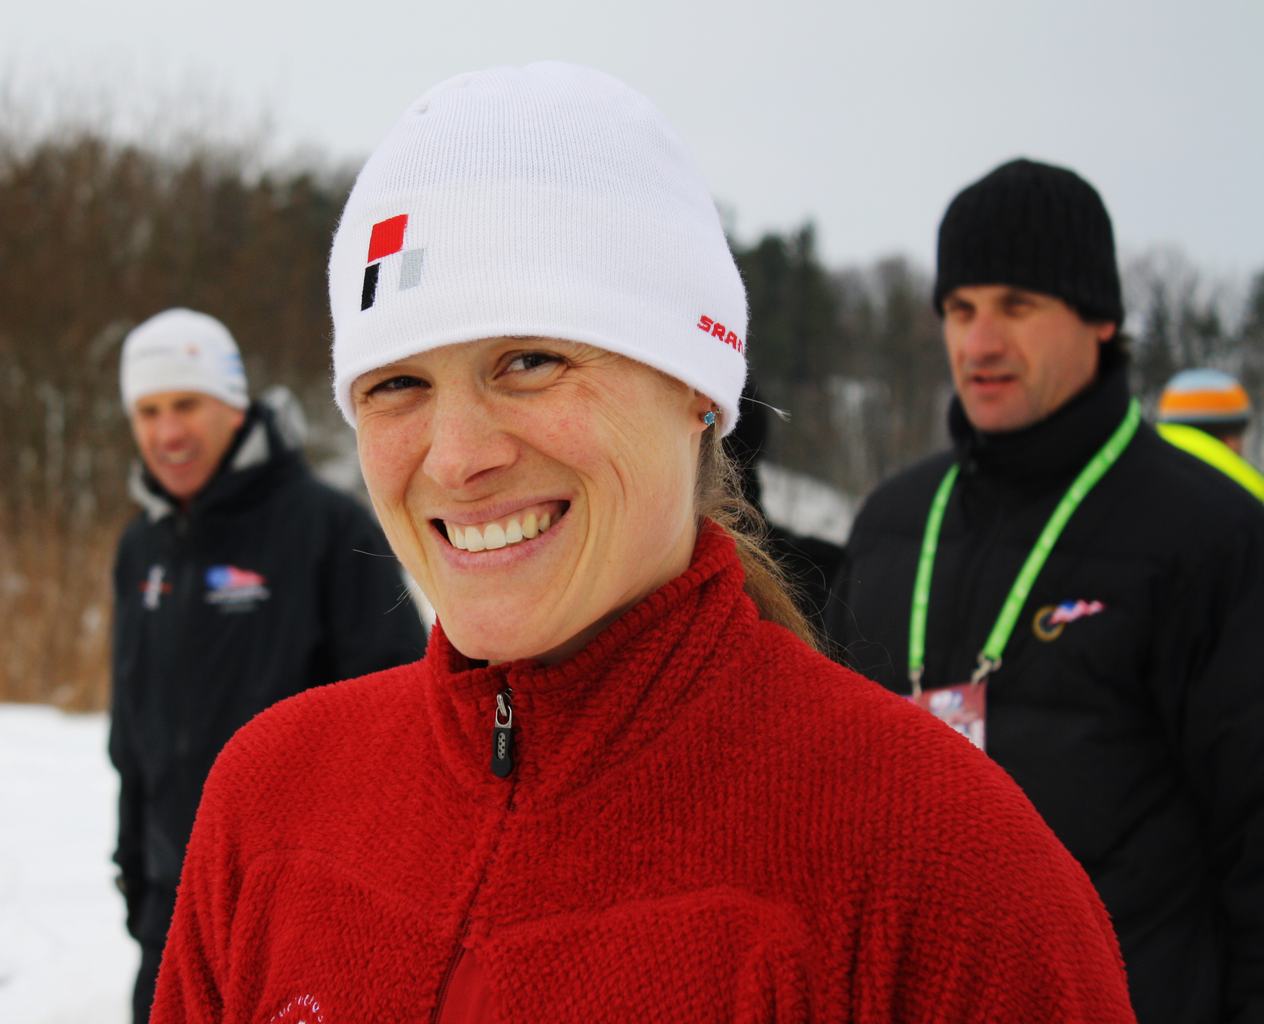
x=865, y=117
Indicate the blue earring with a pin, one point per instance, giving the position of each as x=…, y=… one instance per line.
x=708, y=417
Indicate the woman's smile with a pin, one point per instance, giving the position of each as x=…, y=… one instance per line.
x=490, y=535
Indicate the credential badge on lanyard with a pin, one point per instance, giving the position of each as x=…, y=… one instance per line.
x=963, y=706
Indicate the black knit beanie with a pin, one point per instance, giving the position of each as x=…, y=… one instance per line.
x=1033, y=226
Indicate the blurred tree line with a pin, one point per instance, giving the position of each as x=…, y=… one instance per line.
x=852, y=355
x=97, y=235
x=856, y=355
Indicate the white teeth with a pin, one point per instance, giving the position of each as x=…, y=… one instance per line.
x=494, y=536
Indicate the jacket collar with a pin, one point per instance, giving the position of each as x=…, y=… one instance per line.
x=573, y=720
x=1053, y=449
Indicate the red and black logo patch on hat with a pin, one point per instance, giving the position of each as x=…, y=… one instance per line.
x=386, y=244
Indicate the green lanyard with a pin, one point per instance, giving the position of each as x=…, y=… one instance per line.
x=990, y=656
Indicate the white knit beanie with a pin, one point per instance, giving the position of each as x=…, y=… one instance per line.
x=180, y=350
x=544, y=201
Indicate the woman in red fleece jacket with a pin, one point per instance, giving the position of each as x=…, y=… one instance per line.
x=619, y=786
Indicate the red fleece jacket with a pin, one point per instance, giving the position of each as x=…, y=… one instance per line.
x=706, y=822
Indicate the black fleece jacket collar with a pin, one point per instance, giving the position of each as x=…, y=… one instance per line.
x=1053, y=449
x=259, y=456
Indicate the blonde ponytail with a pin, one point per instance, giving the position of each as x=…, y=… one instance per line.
x=719, y=498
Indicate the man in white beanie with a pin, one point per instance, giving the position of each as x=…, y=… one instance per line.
x=243, y=580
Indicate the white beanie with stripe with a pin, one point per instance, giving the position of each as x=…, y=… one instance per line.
x=182, y=350
x=544, y=201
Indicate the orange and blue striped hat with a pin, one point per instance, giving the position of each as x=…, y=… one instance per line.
x=1204, y=398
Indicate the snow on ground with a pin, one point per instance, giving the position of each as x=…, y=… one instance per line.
x=64, y=954
x=805, y=505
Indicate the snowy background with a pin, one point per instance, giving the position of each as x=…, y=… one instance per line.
x=65, y=956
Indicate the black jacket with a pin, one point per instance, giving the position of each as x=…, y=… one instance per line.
x=268, y=584
x=1138, y=729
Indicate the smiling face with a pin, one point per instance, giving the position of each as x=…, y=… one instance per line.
x=535, y=489
x=1017, y=356
x=182, y=437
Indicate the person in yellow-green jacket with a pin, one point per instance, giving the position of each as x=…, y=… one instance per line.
x=1206, y=413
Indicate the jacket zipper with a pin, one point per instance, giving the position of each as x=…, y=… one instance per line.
x=502, y=735
x=502, y=768
x=447, y=975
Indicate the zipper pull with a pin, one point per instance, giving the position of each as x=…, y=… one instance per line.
x=502, y=735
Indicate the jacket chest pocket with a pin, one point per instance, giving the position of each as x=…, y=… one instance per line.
x=1072, y=719
x=313, y=943
x=715, y=955
x=1084, y=642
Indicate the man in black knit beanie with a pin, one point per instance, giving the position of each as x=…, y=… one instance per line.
x=1079, y=598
